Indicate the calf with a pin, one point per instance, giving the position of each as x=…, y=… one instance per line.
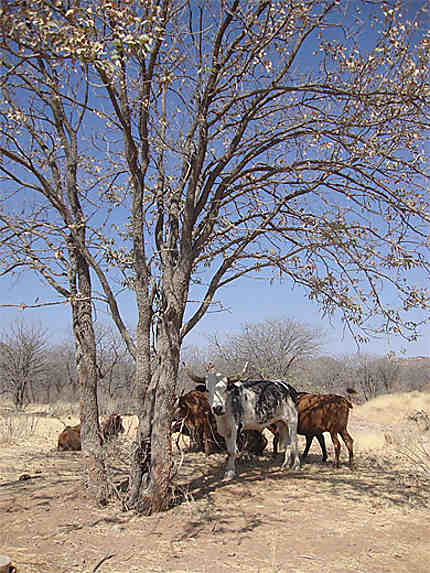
x=320, y=413
x=252, y=405
x=70, y=438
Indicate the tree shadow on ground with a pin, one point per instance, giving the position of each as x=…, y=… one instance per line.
x=372, y=481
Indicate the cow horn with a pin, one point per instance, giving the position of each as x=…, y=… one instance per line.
x=238, y=376
x=194, y=377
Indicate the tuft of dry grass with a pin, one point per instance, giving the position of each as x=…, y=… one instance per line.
x=14, y=428
x=62, y=409
x=412, y=446
x=36, y=426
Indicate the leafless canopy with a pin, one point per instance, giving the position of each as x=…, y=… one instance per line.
x=240, y=137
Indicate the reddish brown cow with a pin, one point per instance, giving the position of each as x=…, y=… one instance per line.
x=194, y=413
x=70, y=438
x=112, y=426
x=320, y=413
x=6, y=565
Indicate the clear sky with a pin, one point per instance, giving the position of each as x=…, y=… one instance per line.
x=245, y=301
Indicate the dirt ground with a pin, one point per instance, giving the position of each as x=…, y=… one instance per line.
x=375, y=519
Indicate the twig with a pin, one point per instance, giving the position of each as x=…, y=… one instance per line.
x=100, y=563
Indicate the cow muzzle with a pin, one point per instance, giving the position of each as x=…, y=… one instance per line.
x=218, y=411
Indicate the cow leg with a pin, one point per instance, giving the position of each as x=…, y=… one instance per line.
x=284, y=442
x=206, y=432
x=288, y=442
x=230, y=442
x=336, y=445
x=275, y=441
x=308, y=445
x=349, y=443
x=320, y=438
x=294, y=449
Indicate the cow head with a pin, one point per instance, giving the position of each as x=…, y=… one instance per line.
x=218, y=385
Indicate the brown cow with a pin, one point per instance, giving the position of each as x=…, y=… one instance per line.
x=112, y=426
x=320, y=413
x=251, y=441
x=193, y=413
x=6, y=565
x=70, y=438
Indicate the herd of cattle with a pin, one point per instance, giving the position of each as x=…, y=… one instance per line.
x=229, y=413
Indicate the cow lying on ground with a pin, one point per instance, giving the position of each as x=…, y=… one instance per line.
x=70, y=438
x=194, y=418
x=112, y=426
x=252, y=404
x=320, y=413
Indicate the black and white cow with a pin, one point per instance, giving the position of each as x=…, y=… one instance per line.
x=253, y=405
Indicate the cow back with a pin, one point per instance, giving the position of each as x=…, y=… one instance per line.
x=322, y=413
x=263, y=397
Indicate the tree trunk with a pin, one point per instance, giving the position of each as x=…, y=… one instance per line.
x=151, y=472
x=86, y=361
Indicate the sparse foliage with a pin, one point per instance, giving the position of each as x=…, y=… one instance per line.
x=173, y=148
x=271, y=348
x=23, y=361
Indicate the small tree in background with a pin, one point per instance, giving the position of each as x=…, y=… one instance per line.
x=272, y=348
x=23, y=361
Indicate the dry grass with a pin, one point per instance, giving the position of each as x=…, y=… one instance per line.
x=318, y=520
x=15, y=428
x=393, y=408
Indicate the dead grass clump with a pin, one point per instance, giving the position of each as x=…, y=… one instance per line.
x=14, y=428
x=412, y=447
x=418, y=454
x=421, y=418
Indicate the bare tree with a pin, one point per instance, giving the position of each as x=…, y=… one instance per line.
x=175, y=148
x=323, y=374
x=61, y=381
x=414, y=373
x=371, y=375
x=117, y=371
x=271, y=348
x=22, y=360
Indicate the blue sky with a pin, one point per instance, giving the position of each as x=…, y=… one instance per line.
x=246, y=300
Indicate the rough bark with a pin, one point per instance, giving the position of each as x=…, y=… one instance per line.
x=151, y=472
x=86, y=360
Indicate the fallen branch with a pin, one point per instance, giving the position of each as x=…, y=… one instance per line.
x=100, y=563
